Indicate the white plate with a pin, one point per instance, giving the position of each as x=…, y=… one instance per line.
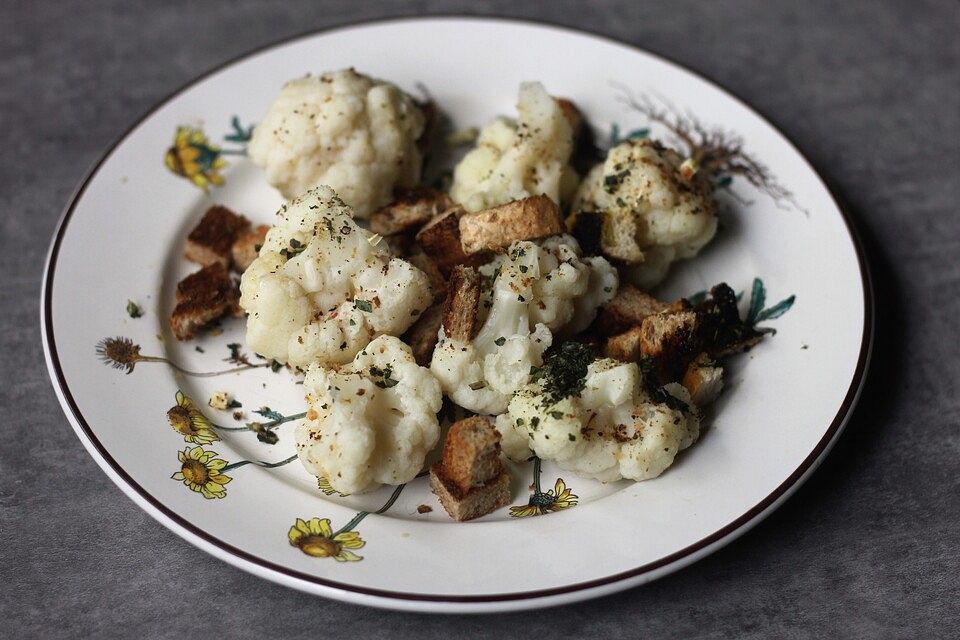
x=785, y=402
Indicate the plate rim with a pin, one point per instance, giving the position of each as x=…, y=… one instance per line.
x=439, y=602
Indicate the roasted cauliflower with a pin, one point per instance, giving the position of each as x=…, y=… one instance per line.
x=655, y=208
x=526, y=296
x=517, y=159
x=323, y=287
x=345, y=130
x=593, y=417
x=371, y=422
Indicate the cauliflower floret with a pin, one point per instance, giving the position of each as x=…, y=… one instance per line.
x=515, y=160
x=656, y=209
x=372, y=421
x=323, y=287
x=600, y=424
x=343, y=129
x=532, y=292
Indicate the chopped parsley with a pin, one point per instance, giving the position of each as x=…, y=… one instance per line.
x=382, y=377
x=564, y=371
x=500, y=341
x=364, y=305
x=296, y=248
x=134, y=310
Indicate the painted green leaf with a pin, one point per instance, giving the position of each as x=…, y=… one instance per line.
x=758, y=298
x=239, y=133
x=776, y=310
x=269, y=413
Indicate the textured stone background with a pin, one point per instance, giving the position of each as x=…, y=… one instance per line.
x=869, y=548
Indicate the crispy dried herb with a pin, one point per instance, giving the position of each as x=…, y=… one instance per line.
x=564, y=371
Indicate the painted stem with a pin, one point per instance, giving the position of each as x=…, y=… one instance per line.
x=263, y=425
x=199, y=374
x=363, y=514
x=279, y=421
x=536, y=475
x=259, y=463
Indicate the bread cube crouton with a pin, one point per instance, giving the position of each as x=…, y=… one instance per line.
x=212, y=239
x=624, y=346
x=431, y=116
x=460, y=306
x=247, y=246
x=202, y=297
x=572, y=113
x=438, y=284
x=721, y=330
x=422, y=336
x=670, y=341
x=412, y=208
x=440, y=239
x=470, y=479
x=497, y=228
x=628, y=309
x=703, y=379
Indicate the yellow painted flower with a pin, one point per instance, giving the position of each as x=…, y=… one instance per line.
x=556, y=499
x=200, y=470
x=315, y=538
x=324, y=485
x=194, y=158
x=189, y=422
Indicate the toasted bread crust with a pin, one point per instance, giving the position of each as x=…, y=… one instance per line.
x=721, y=330
x=460, y=305
x=440, y=239
x=438, y=284
x=703, y=379
x=628, y=309
x=431, y=113
x=212, y=239
x=572, y=113
x=497, y=228
x=471, y=453
x=670, y=340
x=422, y=336
x=202, y=297
x=478, y=502
x=246, y=247
x=470, y=478
x=624, y=346
x=411, y=208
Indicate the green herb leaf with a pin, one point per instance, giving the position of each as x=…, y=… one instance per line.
x=364, y=305
x=134, y=310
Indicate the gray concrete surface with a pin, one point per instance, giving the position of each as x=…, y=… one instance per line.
x=870, y=548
